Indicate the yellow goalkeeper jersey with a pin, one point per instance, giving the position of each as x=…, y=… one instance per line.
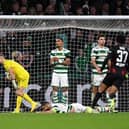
x=19, y=71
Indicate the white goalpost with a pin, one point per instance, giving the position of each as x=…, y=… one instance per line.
x=33, y=37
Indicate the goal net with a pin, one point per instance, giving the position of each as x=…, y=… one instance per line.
x=34, y=38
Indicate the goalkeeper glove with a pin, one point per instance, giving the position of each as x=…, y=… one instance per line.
x=7, y=75
x=14, y=84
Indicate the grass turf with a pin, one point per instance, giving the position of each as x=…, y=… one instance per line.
x=64, y=121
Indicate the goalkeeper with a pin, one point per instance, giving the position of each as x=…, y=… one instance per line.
x=20, y=78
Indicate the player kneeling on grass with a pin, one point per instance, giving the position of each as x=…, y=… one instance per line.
x=17, y=73
x=66, y=108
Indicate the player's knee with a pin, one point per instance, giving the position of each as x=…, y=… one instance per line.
x=55, y=89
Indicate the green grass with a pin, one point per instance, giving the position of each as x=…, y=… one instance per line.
x=64, y=121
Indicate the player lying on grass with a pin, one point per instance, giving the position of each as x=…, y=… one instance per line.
x=20, y=78
x=70, y=108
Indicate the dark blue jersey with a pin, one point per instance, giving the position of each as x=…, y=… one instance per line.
x=119, y=57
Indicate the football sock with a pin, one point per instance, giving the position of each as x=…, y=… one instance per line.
x=55, y=97
x=96, y=98
x=27, y=98
x=64, y=98
x=18, y=103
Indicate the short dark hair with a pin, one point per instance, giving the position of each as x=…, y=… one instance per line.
x=60, y=38
x=101, y=35
x=44, y=104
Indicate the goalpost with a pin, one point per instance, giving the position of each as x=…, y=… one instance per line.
x=33, y=37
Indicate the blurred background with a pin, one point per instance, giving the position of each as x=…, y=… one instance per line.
x=64, y=7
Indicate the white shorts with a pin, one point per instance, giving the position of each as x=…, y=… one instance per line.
x=78, y=108
x=97, y=79
x=59, y=80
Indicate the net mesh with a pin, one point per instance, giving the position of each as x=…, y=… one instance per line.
x=35, y=38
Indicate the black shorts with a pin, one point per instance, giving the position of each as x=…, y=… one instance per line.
x=113, y=79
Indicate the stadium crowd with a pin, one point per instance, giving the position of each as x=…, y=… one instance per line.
x=64, y=7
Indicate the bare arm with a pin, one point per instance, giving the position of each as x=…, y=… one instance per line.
x=53, y=60
x=11, y=73
x=93, y=62
x=66, y=61
x=57, y=60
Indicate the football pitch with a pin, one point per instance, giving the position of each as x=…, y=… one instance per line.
x=64, y=121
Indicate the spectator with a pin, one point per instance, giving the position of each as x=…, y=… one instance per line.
x=109, y=42
x=15, y=8
x=92, y=10
x=90, y=43
x=26, y=56
x=3, y=43
x=23, y=10
x=39, y=9
x=24, y=2
x=127, y=42
x=118, y=11
x=50, y=10
x=66, y=7
x=32, y=11
x=85, y=7
x=79, y=11
x=12, y=41
x=126, y=8
x=81, y=65
x=105, y=9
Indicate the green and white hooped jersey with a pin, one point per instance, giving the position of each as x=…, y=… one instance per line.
x=59, y=108
x=99, y=54
x=66, y=108
x=62, y=55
